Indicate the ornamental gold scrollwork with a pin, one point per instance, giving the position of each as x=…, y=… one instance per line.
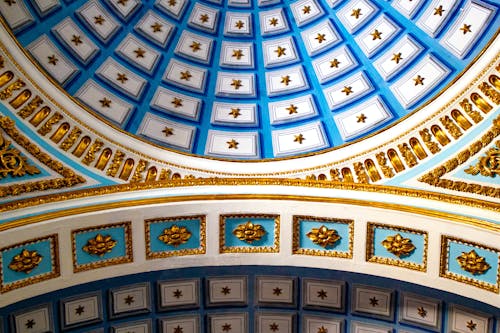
x=488, y=165
x=398, y=245
x=99, y=245
x=12, y=162
x=249, y=232
x=323, y=236
x=26, y=261
x=175, y=235
x=473, y=263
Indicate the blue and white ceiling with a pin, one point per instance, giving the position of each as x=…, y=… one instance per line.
x=253, y=80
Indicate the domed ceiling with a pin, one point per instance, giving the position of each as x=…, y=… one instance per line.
x=245, y=79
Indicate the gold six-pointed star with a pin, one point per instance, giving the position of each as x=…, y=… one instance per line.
x=299, y=138
x=376, y=35
x=233, y=144
x=195, y=46
x=356, y=13
x=99, y=19
x=105, y=103
x=53, y=60
x=168, y=131
x=334, y=63
x=236, y=84
x=237, y=54
x=286, y=80
x=396, y=57
x=361, y=118
x=280, y=51
x=139, y=53
x=292, y=109
x=235, y=112
x=177, y=102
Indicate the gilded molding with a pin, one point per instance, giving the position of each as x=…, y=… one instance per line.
x=176, y=252
x=55, y=272
x=249, y=249
x=489, y=163
x=370, y=247
x=408, y=193
x=443, y=265
x=436, y=176
x=296, y=249
x=69, y=178
x=128, y=257
x=185, y=169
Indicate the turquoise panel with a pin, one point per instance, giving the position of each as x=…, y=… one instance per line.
x=81, y=239
x=156, y=229
x=417, y=256
x=342, y=245
x=455, y=250
x=44, y=267
x=233, y=241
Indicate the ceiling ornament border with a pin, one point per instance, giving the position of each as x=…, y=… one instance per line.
x=69, y=177
x=461, y=219
x=436, y=177
x=134, y=164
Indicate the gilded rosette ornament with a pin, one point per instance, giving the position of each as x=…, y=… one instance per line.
x=26, y=261
x=249, y=232
x=398, y=245
x=473, y=263
x=175, y=235
x=323, y=236
x=99, y=245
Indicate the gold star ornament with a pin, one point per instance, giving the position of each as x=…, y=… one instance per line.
x=299, y=138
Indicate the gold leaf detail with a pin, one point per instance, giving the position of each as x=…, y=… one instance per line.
x=323, y=236
x=26, y=261
x=249, y=232
x=175, y=235
x=473, y=263
x=398, y=245
x=99, y=245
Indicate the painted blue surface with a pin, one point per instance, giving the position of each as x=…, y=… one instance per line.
x=45, y=266
x=407, y=27
x=156, y=230
x=266, y=240
x=116, y=233
x=417, y=256
x=456, y=249
x=251, y=272
x=342, y=245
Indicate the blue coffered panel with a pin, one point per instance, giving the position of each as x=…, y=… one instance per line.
x=249, y=233
x=372, y=60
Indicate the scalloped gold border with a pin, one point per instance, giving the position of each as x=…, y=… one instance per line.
x=184, y=252
x=296, y=249
x=129, y=257
x=443, y=264
x=54, y=249
x=251, y=249
x=370, y=247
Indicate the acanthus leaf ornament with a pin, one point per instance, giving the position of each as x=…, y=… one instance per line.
x=473, y=263
x=249, y=232
x=12, y=162
x=26, y=261
x=175, y=235
x=99, y=245
x=398, y=245
x=323, y=236
x=488, y=165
